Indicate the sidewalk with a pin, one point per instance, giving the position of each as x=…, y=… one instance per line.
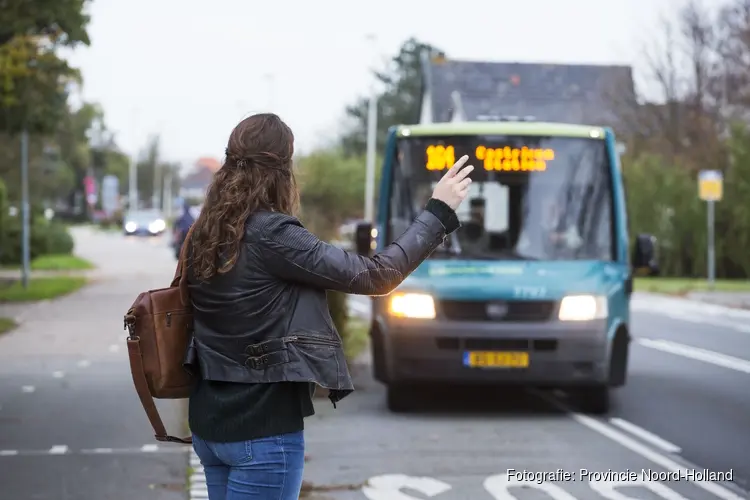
x=737, y=300
x=16, y=273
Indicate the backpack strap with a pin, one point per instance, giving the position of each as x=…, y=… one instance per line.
x=141, y=387
x=180, y=276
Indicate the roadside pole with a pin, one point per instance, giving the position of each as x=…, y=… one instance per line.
x=372, y=131
x=710, y=190
x=167, y=201
x=25, y=209
x=372, y=135
x=133, y=185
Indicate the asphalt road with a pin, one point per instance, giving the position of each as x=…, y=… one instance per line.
x=686, y=406
x=71, y=425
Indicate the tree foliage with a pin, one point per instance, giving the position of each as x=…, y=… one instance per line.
x=699, y=123
x=154, y=172
x=332, y=189
x=34, y=79
x=398, y=103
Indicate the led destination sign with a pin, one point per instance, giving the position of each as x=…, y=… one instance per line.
x=499, y=159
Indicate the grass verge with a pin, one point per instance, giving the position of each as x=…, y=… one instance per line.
x=41, y=289
x=6, y=325
x=683, y=286
x=60, y=263
x=356, y=337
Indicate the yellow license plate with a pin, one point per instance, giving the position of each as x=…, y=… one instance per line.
x=494, y=359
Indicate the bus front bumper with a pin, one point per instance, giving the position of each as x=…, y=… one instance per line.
x=558, y=354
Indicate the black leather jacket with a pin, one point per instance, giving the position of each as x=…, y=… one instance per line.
x=267, y=319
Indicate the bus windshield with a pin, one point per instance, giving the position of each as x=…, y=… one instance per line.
x=532, y=198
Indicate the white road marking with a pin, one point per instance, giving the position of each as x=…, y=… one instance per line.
x=197, y=480
x=149, y=448
x=28, y=389
x=608, y=489
x=645, y=435
x=84, y=363
x=389, y=486
x=697, y=353
x=65, y=450
x=499, y=487
x=114, y=348
x=58, y=374
x=507, y=485
x=641, y=449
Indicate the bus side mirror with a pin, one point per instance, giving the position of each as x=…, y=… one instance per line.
x=363, y=238
x=644, y=256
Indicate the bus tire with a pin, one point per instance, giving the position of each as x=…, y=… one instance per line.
x=398, y=398
x=618, y=363
x=594, y=400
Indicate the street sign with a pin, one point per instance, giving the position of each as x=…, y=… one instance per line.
x=710, y=185
x=710, y=190
x=110, y=194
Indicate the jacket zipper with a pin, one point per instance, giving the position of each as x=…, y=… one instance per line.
x=309, y=340
x=169, y=319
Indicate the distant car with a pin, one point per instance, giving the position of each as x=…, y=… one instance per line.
x=144, y=223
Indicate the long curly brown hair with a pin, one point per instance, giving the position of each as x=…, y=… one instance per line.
x=257, y=175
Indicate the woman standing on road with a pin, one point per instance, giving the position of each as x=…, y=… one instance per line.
x=263, y=333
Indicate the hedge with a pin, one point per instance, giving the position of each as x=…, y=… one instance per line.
x=47, y=237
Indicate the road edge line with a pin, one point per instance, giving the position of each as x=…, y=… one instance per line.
x=645, y=435
x=644, y=451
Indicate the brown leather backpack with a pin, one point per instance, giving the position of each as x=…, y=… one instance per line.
x=160, y=326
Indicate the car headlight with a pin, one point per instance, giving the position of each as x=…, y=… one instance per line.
x=130, y=227
x=156, y=226
x=582, y=308
x=412, y=305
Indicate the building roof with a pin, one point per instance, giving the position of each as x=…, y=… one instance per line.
x=202, y=174
x=564, y=93
x=211, y=163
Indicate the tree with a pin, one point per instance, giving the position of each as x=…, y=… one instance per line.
x=332, y=188
x=683, y=122
x=153, y=172
x=399, y=103
x=701, y=123
x=34, y=80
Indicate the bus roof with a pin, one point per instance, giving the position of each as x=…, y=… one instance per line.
x=501, y=128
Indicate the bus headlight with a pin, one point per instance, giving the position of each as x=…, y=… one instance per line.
x=583, y=308
x=412, y=305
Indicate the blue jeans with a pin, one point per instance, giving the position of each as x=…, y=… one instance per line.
x=261, y=469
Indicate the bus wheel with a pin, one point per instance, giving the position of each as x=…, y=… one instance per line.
x=398, y=398
x=594, y=400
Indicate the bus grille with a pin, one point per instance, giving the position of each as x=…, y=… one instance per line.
x=521, y=310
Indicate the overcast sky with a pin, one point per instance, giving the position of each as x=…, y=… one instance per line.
x=189, y=70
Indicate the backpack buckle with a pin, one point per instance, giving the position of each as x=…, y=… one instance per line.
x=129, y=325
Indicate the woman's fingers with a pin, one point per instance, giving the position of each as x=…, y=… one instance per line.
x=464, y=172
x=457, y=166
